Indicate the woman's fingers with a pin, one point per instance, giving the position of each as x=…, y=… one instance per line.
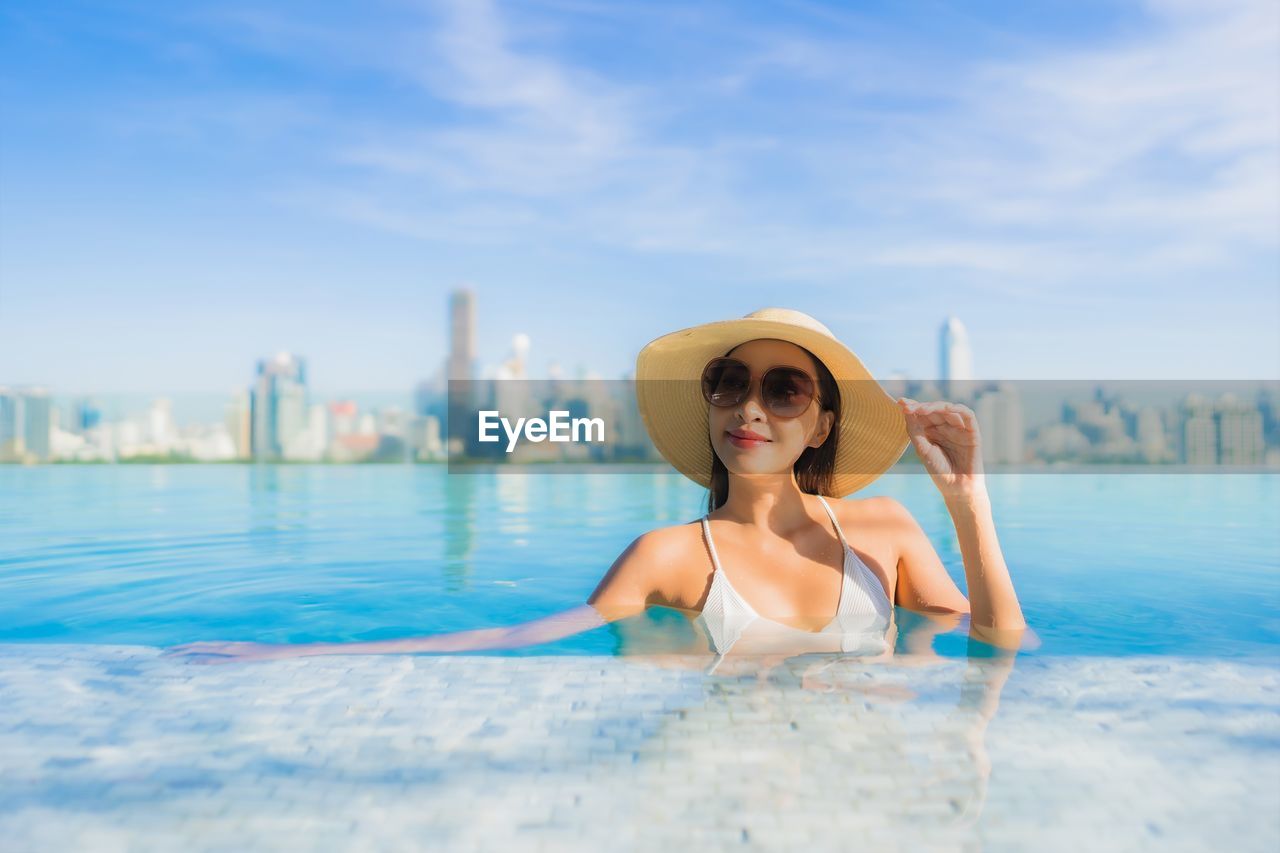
x=916, y=407
x=956, y=420
x=942, y=416
x=948, y=432
x=945, y=432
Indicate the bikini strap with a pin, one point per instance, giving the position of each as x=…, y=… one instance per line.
x=831, y=513
x=711, y=545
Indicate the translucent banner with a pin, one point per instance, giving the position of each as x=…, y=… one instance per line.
x=552, y=425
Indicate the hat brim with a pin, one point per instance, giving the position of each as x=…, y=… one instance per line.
x=873, y=431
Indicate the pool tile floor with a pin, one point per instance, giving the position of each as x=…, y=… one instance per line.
x=117, y=748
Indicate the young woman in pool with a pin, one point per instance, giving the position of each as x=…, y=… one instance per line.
x=773, y=414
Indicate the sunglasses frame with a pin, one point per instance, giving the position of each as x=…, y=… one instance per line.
x=751, y=380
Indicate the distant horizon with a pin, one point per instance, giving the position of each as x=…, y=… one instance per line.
x=197, y=406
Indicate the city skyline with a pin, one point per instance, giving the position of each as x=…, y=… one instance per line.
x=1068, y=180
x=953, y=359
x=278, y=417
x=1197, y=424
x=460, y=363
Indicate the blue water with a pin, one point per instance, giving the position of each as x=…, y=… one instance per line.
x=1104, y=563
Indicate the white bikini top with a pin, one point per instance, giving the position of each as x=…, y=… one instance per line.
x=864, y=615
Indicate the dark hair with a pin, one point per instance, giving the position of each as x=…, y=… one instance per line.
x=815, y=467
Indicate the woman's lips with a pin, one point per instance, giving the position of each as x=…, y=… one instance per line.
x=739, y=441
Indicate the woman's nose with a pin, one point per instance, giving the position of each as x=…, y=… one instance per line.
x=752, y=407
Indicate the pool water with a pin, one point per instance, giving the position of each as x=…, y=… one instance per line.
x=1104, y=564
x=1148, y=718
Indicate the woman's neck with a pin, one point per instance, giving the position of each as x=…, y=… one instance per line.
x=773, y=503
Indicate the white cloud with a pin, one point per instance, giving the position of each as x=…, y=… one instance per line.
x=1151, y=152
x=535, y=126
x=1171, y=138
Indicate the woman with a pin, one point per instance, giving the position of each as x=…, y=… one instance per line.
x=772, y=413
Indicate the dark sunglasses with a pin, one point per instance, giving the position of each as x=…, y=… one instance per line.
x=785, y=391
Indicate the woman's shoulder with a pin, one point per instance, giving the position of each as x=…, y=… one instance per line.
x=664, y=550
x=652, y=569
x=669, y=558
x=672, y=541
x=869, y=509
x=878, y=524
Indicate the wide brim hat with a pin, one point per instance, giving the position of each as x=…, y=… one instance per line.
x=873, y=430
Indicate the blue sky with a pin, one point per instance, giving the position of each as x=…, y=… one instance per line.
x=1093, y=188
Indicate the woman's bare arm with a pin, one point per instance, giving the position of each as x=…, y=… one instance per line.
x=924, y=586
x=636, y=578
x=994, y=601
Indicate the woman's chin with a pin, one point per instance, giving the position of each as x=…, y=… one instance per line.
x=756, y=467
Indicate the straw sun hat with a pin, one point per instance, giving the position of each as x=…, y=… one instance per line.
x=873, y=430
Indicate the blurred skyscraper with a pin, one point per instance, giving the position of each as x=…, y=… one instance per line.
x=1149, y=433
x=87, y=415
x=425, y=441
x=10, y=425
x=1239, y=432
x=1269, y=407
x=239, y=424
x=279, y=406
x=25, y=424
x=462, y=335
x=1000, y=424
x=460, y=369
x=1199, y=432
x=955, y=359
x=162, y=430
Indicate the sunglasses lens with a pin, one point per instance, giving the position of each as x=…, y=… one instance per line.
x=725, y=381
x=787, y=391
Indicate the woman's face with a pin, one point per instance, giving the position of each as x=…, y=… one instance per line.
x=785, y=438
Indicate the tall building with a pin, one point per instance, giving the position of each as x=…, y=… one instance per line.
x=1000, y=424
x=1199, y=432
x=955, y=359
x=1239, y=432
x=462, y=335
x=26, y=423
x=37, y=423
x=1149, y=434
x=239, y=424
x=460, y=369
x=10, y=424
x=87, y=415
x=162, y=430
x=1268, y=402
x=312, y=441
x=424, y=438
x=278, y=406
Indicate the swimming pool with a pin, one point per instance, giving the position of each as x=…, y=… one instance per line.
x=1104, y=564
x=1149, y=716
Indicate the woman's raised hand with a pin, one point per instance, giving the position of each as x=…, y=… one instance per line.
x=946, y=438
